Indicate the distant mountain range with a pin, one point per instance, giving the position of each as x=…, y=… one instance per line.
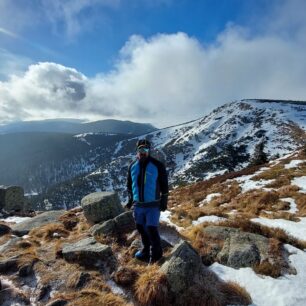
x=227, y=139
x=75, y=126
x=38, y=158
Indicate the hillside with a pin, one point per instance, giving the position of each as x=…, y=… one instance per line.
x=227, y=139
x=40, y=154
x=245, y=229
x=75, y=126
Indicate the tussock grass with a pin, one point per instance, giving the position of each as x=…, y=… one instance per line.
x=277, y=233
x=151, y=288
x=49, y=232
x=91, y=297
x=235, y=294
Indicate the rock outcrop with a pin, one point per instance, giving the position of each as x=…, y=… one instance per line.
x=240, y=249
x=24, y=227
x=90, y=253
x=12, y=198
x=121, y=224
x=101, y=206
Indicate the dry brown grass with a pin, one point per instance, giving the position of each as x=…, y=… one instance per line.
x=277, y=233
x=126, y=276
x=235, y=294
x=91, y=297
x=151, y=288
x=49, y=231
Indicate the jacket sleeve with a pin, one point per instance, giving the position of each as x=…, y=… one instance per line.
x=163, y=180
x=129, y=184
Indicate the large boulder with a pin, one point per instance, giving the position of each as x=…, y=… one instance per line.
x=24, y=227
x=244, y=250
x=182, y=267
x=101, y=206
x=240, y=249
x=11, y=198
x=190, y=283
x=121, y=224
x=90, y=253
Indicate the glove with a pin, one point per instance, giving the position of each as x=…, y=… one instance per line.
x=163, y=203
x=129, y=204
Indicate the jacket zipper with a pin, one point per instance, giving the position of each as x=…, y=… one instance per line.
x=142, y=184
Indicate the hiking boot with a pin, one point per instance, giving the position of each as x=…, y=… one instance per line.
x=142, y=255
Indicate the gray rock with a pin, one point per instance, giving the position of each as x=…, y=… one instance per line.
x=125, y=222
x=4, y=229
x=121, y=224
x=9, y=264
x=101, y=206
x=89, y=252
x=11, y=198
x=182, y=267
x=219, y=232
x=24, y=227
x=106, y=228
x=240, y=249
x=9, y=243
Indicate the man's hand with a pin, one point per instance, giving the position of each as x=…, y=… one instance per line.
x=163, y=202
x=129, y=204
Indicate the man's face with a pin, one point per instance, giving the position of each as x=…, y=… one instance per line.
x=142, y=152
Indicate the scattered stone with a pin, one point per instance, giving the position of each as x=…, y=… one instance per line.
x=43, y=292
x=89, y=252
x=24, y=227
x=101, y=206
x=240, y=249
x=12, y=198
x=4, y=247
x=9, y=264
x=182, y=267
x=84, y=278
x=26, y=269
x=125, y=222
x=121, y=224
x=4, y=229
x=106, y=228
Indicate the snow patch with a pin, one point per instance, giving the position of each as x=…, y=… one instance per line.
x=165, y=216
x=293, y=208
x=300, y=182
x=211, y=218
x=266, y=291
x=295, y=229
x=293, y=163
x=15, y=219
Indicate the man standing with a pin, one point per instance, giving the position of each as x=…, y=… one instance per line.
x=147, y=186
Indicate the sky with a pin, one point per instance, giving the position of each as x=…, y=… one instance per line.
x=163, y=62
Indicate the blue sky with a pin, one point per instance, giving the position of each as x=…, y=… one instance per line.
x=143, y=59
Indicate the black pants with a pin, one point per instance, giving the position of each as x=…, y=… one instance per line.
x=150, y=239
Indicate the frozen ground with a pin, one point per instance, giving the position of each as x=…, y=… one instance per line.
x=288, y=290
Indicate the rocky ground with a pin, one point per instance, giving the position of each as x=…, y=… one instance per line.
x=64, y=258
x=235, y=239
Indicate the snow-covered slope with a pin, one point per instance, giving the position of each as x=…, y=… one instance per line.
x=223, y=141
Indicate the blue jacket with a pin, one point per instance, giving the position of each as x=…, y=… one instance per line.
x=147, y=181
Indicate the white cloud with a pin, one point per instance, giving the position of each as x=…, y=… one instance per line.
x=169, y=79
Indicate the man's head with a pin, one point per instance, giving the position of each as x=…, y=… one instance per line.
x=143, y=148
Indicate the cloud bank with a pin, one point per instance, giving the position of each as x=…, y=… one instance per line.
x=170, y=78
